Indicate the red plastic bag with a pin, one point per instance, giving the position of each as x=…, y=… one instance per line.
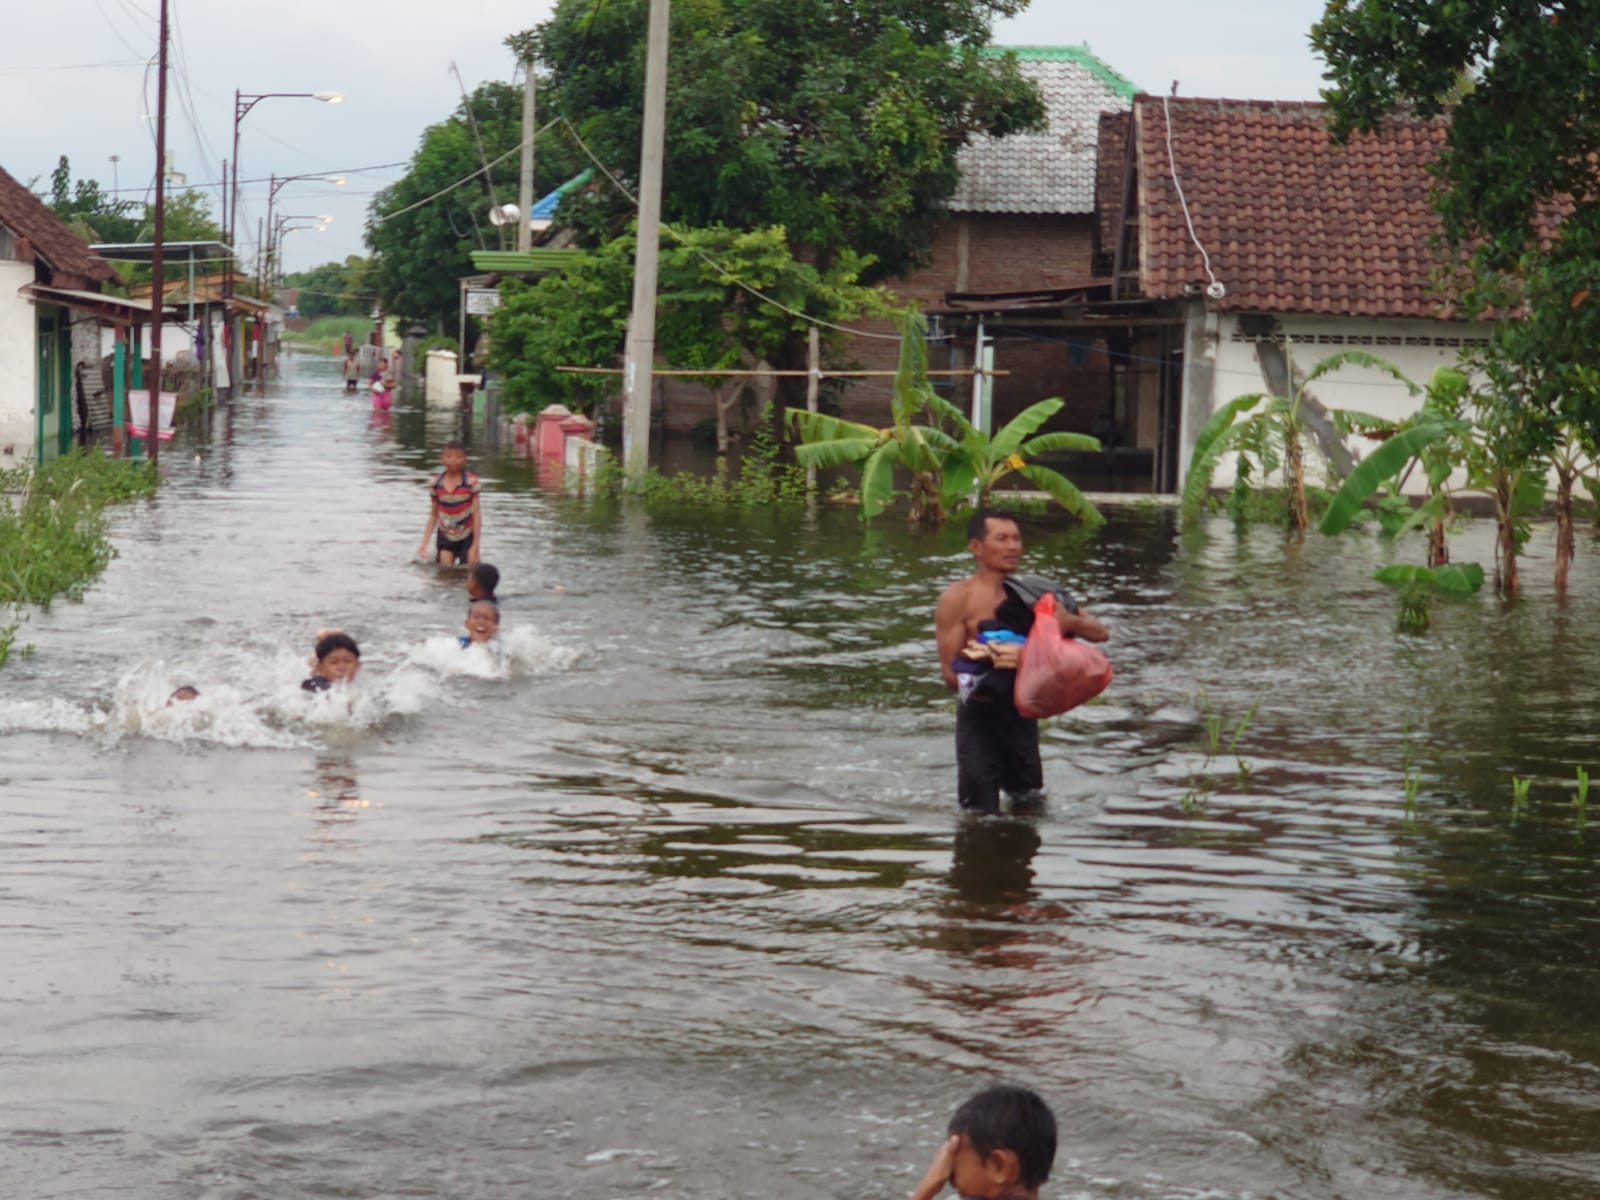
x=1056, y=673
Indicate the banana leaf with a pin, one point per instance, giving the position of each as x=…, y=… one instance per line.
x=1208, y=453
x=1047, y=443
x=820, y=427
x=877, y=479
x=822, y=455
x=1455, y=579
x=1004, y=443
x=1359, y=358
x=1370, y=473
x=1062, y=490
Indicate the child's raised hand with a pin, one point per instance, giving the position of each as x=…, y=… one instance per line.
x=939, y=1171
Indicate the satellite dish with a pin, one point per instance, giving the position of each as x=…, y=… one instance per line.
x=504, y=214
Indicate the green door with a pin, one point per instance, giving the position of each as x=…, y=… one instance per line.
x=53, y=412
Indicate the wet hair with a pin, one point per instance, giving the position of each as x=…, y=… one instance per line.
x=487, y=578
x=978, y=523
x=480, y=603
x=336, y=641
x=186, y=692
x=454, y=444
x=1014, y=1119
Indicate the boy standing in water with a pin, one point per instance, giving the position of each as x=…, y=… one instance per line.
x=455, y=511
x=1002, y=1145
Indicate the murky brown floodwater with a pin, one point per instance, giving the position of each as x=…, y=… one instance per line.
x=681, y=906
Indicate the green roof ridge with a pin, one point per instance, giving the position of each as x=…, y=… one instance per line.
x=1082, y=55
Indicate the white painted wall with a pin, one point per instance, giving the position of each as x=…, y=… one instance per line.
x=1417, y=347
x=18, y=365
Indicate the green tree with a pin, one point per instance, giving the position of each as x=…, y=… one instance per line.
x=838, y=120
x=94, y=215
x=423, y=228
x=333, y=289
x=1519, y=199
x=706, y=319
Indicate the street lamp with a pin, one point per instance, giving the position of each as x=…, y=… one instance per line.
x=242, y=104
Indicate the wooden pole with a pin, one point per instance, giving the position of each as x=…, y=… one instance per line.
x=813, y=386
x=525, y=186
x=641, y=346
x=157, y=291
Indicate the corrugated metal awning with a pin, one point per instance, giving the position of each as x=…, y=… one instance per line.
x=119, y=309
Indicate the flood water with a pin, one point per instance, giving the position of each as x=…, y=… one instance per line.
x=676, y=902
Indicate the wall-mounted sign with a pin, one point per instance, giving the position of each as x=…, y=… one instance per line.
x=482, y=301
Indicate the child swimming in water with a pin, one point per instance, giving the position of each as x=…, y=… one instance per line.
x=483, y=625
x=337, y=659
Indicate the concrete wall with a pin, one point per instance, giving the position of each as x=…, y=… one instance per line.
x=1417, y=347
x=18, y=365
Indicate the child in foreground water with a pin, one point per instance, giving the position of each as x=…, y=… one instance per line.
x=1001, y=1146
x=337, y=659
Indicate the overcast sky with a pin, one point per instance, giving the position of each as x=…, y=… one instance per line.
x=73, y=81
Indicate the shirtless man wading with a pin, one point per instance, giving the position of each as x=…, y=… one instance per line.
x=997, y=749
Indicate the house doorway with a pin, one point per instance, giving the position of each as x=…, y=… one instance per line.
x=52, y=412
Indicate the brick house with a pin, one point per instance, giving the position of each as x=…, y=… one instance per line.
x=1022, y=222
x=1293, y=237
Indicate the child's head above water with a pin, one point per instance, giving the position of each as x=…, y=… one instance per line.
x=482, y=580
x=186, y=692
x=338, y=657
x=483, y=621
x=1008, y=1143
x=453, y=455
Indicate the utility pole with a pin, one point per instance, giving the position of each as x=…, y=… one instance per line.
x=525, y=195
x=157, y=291
x=641, y=351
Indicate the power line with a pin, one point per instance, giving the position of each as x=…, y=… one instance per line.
x=711, y=262
x=119, y=62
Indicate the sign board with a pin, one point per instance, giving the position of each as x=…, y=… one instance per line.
x=482, y=301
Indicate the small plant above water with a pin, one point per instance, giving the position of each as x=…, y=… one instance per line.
x=1413, y=784
x=1519, y=794
x=1581, y=800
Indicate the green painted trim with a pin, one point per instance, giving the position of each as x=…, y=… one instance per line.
x=538, y=259
x=1082, y=55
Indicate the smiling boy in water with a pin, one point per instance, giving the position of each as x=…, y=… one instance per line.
x=1002, y=1145
x=483, y=624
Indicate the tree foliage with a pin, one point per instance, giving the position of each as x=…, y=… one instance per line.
x=838, y=120
x=708, y=318
x=1523, y=137
x=334, y=289
x=423, y=240
x=96, y=215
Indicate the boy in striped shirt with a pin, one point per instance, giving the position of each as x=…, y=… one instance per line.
x=455, y=513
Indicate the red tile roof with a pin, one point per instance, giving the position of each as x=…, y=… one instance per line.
x=1292, y=223
x=53, y=240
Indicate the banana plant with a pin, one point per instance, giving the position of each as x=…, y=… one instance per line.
x=1267, y=428
x=828, y=441
x=979, y=462
x=952, y=463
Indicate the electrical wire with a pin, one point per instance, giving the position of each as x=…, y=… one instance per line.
x=1172, y=163
x=379, y=219
x=711, y=262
